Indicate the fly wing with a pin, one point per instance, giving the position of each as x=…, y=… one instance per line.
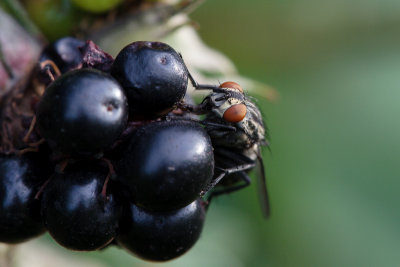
x=262, y=187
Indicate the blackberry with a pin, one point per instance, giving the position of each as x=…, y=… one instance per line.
x=166, y=165
x=82, y=112
x=64, y=53
x=161, y=236
x=20, y=179
x=75, y=210
x=153, y=75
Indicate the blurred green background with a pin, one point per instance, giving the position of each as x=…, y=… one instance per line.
x=333, y=172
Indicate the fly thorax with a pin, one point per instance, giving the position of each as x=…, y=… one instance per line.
x=251, y=152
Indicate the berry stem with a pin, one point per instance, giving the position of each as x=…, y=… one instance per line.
x=60, y=167
x=7, y=146
x=43, y=187
x=45, y=65
x=30, y=130
x=33, y=147
x=104, y=189
x=111, y=173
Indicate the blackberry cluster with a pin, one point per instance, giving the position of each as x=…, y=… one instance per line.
x=109, y=168
x=113, y=152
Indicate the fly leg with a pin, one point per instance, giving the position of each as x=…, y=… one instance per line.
x=205, y=123
x=246, y=182
x=226, y=172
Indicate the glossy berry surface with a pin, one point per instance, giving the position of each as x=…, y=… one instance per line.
x=161, y=236
x=166, y=164
x=76, y=213
x=64, y=53
x=82, y=112
x=20, y=179
x=153, y=75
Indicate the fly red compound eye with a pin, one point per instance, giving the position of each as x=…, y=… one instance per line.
x=232, y=85
x=235, y=113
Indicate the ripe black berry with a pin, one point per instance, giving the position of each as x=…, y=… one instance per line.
x=161, y=236
x=153, y=75
x=166, y=164
x=20, y=178
x=64, y=53
x=83, y=111
x=76, y=213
